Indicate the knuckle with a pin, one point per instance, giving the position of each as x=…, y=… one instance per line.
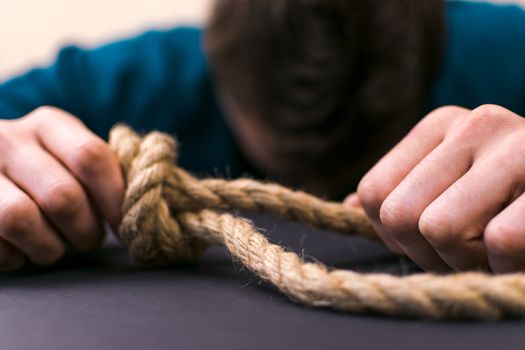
x=442, y=115
x=90, y=157
x=61, y=199
x=447, y=111
x=502, y=239
x=16, y=218
x=488, y=111
x=396, y=216
x=435, y=229
x=509, y=151
x=43, y=115
x=482, y=119
x=46, y=112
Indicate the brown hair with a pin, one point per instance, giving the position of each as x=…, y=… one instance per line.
x=334, y=76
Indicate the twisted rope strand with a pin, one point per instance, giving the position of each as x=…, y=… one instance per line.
x=170, y=216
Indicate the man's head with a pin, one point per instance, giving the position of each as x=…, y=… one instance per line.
x=311, y=85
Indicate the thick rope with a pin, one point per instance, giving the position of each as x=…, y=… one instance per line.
x=170, y=216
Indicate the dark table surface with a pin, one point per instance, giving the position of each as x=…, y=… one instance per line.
x=105, y=301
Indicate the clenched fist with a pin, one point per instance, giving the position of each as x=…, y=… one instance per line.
x=450, y=194
x=58, y=183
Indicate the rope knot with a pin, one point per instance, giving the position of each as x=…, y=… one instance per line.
x=154, y=200
x=170, y=216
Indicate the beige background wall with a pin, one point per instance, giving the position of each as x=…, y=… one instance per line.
x=32, y=30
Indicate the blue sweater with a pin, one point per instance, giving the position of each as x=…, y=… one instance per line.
x=160, y=80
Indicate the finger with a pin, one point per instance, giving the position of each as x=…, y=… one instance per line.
x=454, y=223
x=58, y=195
x=505, y=238
x=10, y=258
x=88, y=157
x=387, y=239
x=23, y=226
x=386, y=175
x=352, y=200
x=401, y=211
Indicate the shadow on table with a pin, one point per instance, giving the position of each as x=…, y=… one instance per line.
x=335, y=250
x=112, y=262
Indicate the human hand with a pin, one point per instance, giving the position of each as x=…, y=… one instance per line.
x=58, y=182
x=450, y=194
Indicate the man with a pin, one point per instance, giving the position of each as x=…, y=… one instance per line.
x=307, y=92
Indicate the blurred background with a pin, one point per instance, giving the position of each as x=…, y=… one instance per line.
x=32, y=31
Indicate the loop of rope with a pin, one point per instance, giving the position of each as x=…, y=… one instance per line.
x=170, y=216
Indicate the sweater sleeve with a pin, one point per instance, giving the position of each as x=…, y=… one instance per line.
x=484, y=60
x=156, y=80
